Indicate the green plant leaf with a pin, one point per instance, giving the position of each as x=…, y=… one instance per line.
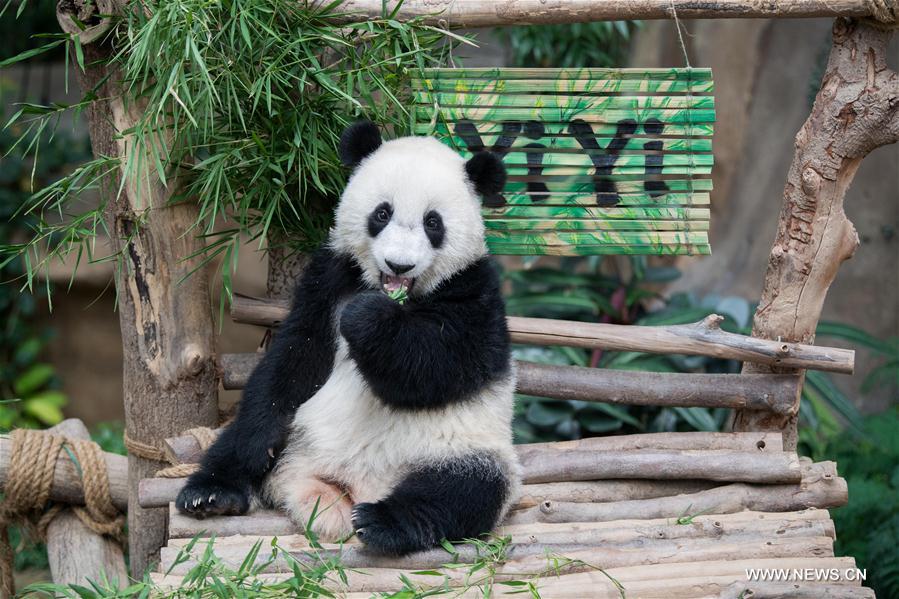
x=33, y=379
x=44, y=411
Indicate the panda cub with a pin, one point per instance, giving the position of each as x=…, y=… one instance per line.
x=388, y=419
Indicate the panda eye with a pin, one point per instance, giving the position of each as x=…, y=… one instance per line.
x=381, y=215
x=432, y=222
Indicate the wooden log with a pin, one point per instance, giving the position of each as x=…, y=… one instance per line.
x=545, y=458
x=165, y=314
x=745, y=441
x=533, y=556
x=77, y=554
x=854, y=113
x=704, y=338
x=717, y=465
x=772, y=393
x=159, y=492
x=786, y=590
x=810, y=522
x=763, y=392
x=186, y=450
x=491, y=13
x=814, y=491
x=601, y=491
x=372, y=580
x=67, y=481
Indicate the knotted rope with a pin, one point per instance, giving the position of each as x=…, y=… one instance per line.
x=205, y=437
x=29, y=479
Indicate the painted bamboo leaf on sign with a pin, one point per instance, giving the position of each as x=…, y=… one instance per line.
x=599, y=160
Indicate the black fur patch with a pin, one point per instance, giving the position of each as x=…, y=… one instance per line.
x=379, y=218
x=358, y=141
x=294, y=368
x=432, y=350
x=455, y=500
x=488, y=174
x=434, y=228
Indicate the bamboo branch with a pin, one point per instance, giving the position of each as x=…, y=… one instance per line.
x=490, y=13
x=704, y=338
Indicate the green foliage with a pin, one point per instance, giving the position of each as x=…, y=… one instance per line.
x=110, y=436
x=28, y=386
x=868, y=525
x=254, y=94
x=596, y=290
x=601, y=44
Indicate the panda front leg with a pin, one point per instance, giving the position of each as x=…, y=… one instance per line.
x=458, y=498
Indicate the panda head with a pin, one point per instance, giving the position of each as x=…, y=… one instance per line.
x=410, y=215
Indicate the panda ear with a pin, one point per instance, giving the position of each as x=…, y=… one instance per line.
x=358, y=141
x=488, y=174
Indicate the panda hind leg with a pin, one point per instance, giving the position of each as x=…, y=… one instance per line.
x=325, y=504
x=456, y=499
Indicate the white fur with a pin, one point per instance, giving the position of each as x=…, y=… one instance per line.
x=347, y=446
x=415, y=175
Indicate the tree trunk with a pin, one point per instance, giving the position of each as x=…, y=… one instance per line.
x=284, y=268
x=77, y=554
x=855, y=112
x=167, y=331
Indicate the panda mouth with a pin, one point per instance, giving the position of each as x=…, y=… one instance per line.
x=393, y=284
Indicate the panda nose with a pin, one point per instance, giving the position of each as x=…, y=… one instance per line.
x=399, y=269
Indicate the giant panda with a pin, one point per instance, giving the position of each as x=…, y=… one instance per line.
x=387, y=419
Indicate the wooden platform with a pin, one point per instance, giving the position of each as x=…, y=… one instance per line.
x=661, y=520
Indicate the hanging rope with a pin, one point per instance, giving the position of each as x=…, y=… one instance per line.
x=29, y=479
x=680, y=35
x=205, y=437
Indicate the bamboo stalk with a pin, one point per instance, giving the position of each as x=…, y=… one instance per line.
x=701, y=338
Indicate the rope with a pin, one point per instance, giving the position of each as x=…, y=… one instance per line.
x=29, y=479
x=680, y=36
x=204, y=436
x=884, y=14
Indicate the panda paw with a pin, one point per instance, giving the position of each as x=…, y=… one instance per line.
x=212, y=499
x=385, y=532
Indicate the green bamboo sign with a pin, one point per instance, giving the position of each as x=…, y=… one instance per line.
x=600, y=161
